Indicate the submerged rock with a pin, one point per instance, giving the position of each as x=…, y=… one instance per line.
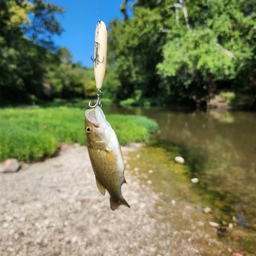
x=194, y=180
x=173, y=202
x=179, y=159
x=237, y=254
x=229, y=250
x=214, y=224
x=10, y=165
x=207, y=210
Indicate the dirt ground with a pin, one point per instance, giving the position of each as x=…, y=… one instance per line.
x=54, y=208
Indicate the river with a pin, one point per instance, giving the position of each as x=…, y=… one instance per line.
x=220, y=149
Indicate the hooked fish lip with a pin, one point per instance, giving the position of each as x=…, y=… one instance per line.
x=90, y=116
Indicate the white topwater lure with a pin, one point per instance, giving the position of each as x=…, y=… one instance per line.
x=100, y=57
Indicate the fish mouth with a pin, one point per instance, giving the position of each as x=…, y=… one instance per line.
x=96, y=116
x=90, y=116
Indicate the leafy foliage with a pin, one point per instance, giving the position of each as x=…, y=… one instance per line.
x=162, y=51
x=31, y=67
x=185, y=51
x=22, y=62
x=67, y=79
x=134, y=52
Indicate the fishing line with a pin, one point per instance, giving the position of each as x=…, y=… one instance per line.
x=97, y=10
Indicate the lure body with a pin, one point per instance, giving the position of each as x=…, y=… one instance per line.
x=100, y=53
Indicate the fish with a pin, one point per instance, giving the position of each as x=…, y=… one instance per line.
x=105, y=155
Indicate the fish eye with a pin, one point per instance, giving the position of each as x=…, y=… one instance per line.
x=88, y=129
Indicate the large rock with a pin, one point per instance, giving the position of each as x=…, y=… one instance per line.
x=10, y=165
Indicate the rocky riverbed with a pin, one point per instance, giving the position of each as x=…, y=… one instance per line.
x=54, y=208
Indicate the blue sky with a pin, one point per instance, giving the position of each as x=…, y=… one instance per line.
x=79, y=23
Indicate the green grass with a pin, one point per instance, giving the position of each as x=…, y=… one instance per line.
x=33, y=134
x=131, y=128
x=145, y=102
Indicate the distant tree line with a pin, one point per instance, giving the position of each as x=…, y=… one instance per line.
x=169, y=51
x=184, y=51
x=31, y=67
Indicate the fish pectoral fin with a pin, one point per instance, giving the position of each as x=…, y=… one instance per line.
x=101, y=188
x=111, y=158
x=114, y=204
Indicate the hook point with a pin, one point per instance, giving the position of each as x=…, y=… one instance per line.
x=98, y=102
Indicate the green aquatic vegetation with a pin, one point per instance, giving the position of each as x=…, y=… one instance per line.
x=33, y=134
x=156, y=167
x=145, y=102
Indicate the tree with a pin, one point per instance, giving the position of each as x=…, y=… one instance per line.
x=216, y=49
x=67, y=79
x=185, y=51
x=43, y=23
x=134, y=51
x=25, y=46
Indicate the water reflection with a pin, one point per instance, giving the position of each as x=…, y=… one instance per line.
x=220, y=148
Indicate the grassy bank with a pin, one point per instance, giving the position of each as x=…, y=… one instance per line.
x=33, y=134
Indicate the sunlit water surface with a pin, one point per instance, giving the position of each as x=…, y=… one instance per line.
x=220, y=149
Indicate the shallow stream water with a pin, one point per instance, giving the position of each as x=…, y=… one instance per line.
x=220, y=150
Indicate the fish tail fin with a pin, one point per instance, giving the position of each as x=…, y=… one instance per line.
x=114, y=204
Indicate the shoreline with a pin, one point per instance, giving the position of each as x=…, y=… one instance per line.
x=54, y=208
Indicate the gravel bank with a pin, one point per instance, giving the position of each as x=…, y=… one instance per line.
x=54, y=208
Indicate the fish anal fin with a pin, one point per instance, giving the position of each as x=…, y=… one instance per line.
x=114, y=204
x=110, y=157
x=101, y=188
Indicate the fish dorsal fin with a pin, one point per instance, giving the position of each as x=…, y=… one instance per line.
x=101, y=188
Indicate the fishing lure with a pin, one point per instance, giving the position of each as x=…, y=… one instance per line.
x=100, y=52
x=100, y=57
x=102, y=143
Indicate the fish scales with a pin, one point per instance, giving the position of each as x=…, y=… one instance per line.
x=110, y=176
x=105, y=155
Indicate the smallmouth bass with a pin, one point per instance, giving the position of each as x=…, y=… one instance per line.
x=105, y=155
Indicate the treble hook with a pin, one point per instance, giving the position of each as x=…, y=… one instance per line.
x=96, y=58
x=98, y=102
